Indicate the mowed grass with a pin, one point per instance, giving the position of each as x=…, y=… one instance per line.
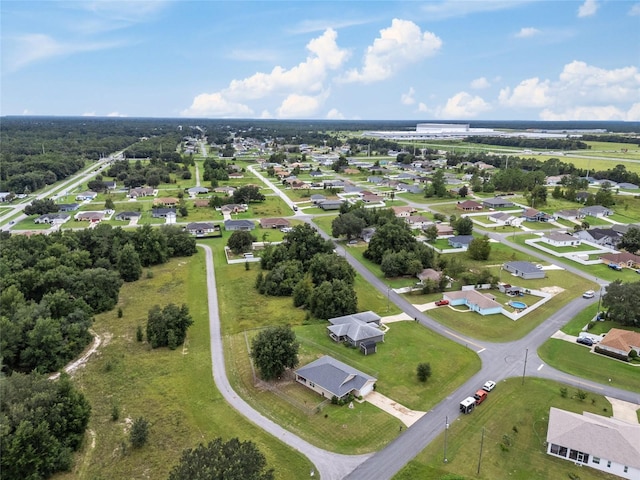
x=173, y=390
x=577, y=360
x=513, y=413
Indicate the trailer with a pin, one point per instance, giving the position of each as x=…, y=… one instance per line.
x=467, y=405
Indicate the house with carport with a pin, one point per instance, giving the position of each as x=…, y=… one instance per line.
x=332, y=378
x=525, y=270
x=474, y=300
x=602, y=443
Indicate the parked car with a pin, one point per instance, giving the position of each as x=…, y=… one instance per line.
x=615, y=266
x=441, y=303
x=589, y=294
x=480, y=396
x=489, y=385
x=585, y=341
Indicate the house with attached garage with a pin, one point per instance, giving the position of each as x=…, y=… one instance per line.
x=618, y=343
x=53, y=218
x=596, y=211
x=234, y=225
x=204, y=229
x=356, y=329
x=533, y=215
x=606, y=237
x=274, y=223
x=570, y=215
x=622, y=259
x=68, y=207
x=526, y=270
x=330, y=204
x=504, y=218
x=602, y=443
x=560, y=239
x=84, y=196
x=469, y=206
x=332, y=378
x=460, y=241
x=163, y=212
x=497, y=202
x=127, y=216
x=403, y=211
x=474, y=300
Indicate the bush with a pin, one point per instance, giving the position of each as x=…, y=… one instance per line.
x=139, y=432
x=423, y=371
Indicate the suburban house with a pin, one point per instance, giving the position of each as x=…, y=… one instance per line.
x=92, y=217
x=356, y=329
x=606, y=237
x=126, y=216
x=166, y=201
x=606, y=444
x=628, y=186
x=618, y=343
x=141, y=192
x=503, y=218
x=86, y=196
x=570, y=215
x=469, y=206
x=526, y=270
x=6, y=196
x=317, y=198
x=444, y=230
x=236, y=175
x=429, y=274
x=460, y=241
x=163, y=212
x=109, y=184
x=560, y=239
x=201, y=202
x=533, y=215
x=274, y=223
x=418, y=221
x=596, y=211
x=497, y=202
x=225, y=190
x=234, y=225
x=332, y=378
x=474, y=300
x=582, y=196
x=53, y=218
x=68, y=207
x=330, y=204
x=403, y=211
x=372, y=198
x=374, y=179
x=233, y=208
x=197, y=190
x=622, y=259
x=202, y=229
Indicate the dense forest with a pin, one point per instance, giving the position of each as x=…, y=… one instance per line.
x=525, y=142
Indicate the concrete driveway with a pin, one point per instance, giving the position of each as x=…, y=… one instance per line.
x=625, y=411
x=402, y=413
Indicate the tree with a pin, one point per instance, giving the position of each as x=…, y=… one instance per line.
x=274, y=350
x=630, y=241
x=232, y=460
x=347, y=224
x=464, y=191
x=423, y=371
x=41, y=207
x=537, y=196
x=129, y=264
x=622, y=301
x=604, y=196
x=248, y=194
x=438, y=184
x=333, y=299
x=167, y=327
x=431, y=233
x=240, y=241
x=480, y=248
x=109, y=205
x=464, y=226
x=329, y=266
x=392, y=236
x=139, y=432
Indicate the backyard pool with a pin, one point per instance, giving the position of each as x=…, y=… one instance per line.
x=518, y=305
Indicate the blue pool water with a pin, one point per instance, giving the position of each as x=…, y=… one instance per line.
x=520, y=305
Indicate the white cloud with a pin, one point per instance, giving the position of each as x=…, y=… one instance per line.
x=588, y=8
x=526, y=32
x=463, y=105
x=116, y=114
x=308, y=77
x=27, y=49
x=422, y=107
x=335, y=114
x=401, y=44
x=455, y=8
x=529, y=93
x=408, y=98
x=298, y=106
x=634, y=11
x=480, y=83
x=581, y=92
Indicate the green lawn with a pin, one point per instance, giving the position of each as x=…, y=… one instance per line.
x=577, y=360
x=174, y=390
x=514, y=414
x=569, y=249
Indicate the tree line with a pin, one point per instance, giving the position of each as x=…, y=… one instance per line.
x=526, y=142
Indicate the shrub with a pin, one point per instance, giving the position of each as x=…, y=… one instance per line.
x=139, y=432
x=563, y=392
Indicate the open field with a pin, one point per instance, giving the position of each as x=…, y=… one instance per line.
x=174, y=390
x=515, y=414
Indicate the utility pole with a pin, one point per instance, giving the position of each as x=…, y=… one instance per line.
x=524, y=370
x=446, y=429
x=481, y=444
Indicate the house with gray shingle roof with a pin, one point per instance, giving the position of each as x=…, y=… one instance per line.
x=356, y=329
x=233, y=225
x=606, y=444
x=597, y=211
x=497, y=202
x=332, y=378
x=526, y=270
x=558, y=239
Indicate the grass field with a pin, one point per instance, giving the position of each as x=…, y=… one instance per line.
x=514, y=422
x=174, y=390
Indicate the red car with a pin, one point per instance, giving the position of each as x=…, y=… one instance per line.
x=441, y=303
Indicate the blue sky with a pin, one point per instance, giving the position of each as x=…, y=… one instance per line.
x=485, y=59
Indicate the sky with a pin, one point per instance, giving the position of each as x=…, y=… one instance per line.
x=359, y=60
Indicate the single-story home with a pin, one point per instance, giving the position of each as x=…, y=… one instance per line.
x=372, y=198
x=109, y=184
x=166, y=201
x=497, y=202
x=233, y=225
x=622, y=259
x=197, y=190
x=526, y=270
x=403, y=211
x=607, y=237
x=163, y=212
x=469, y=206
x=317, y=198
x=533, y=215
x=444, y=229
x=583, y=196
x=332, y=378
x=204, y=229
x=225, y=190
x=236, y=175
x=274, y=223
x=233, y=208
x=502, y=218
x=418, y=221
x=68, y=207
x=570, y=215
x=141, y=192
x=596, y=211
x=89, y=216
x=602, y=443
x=330, y=204
x=474, y=300
x=558, y=239
x=201, y=202
x=618, y=343
x=628, y=186
x=460, y=241
x=356, y=329
x=429, y=274
x=53, y=218
x=367, y=234
x=86, y=196
x=126, y=216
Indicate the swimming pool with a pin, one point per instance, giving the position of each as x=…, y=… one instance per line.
x=518, y=305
